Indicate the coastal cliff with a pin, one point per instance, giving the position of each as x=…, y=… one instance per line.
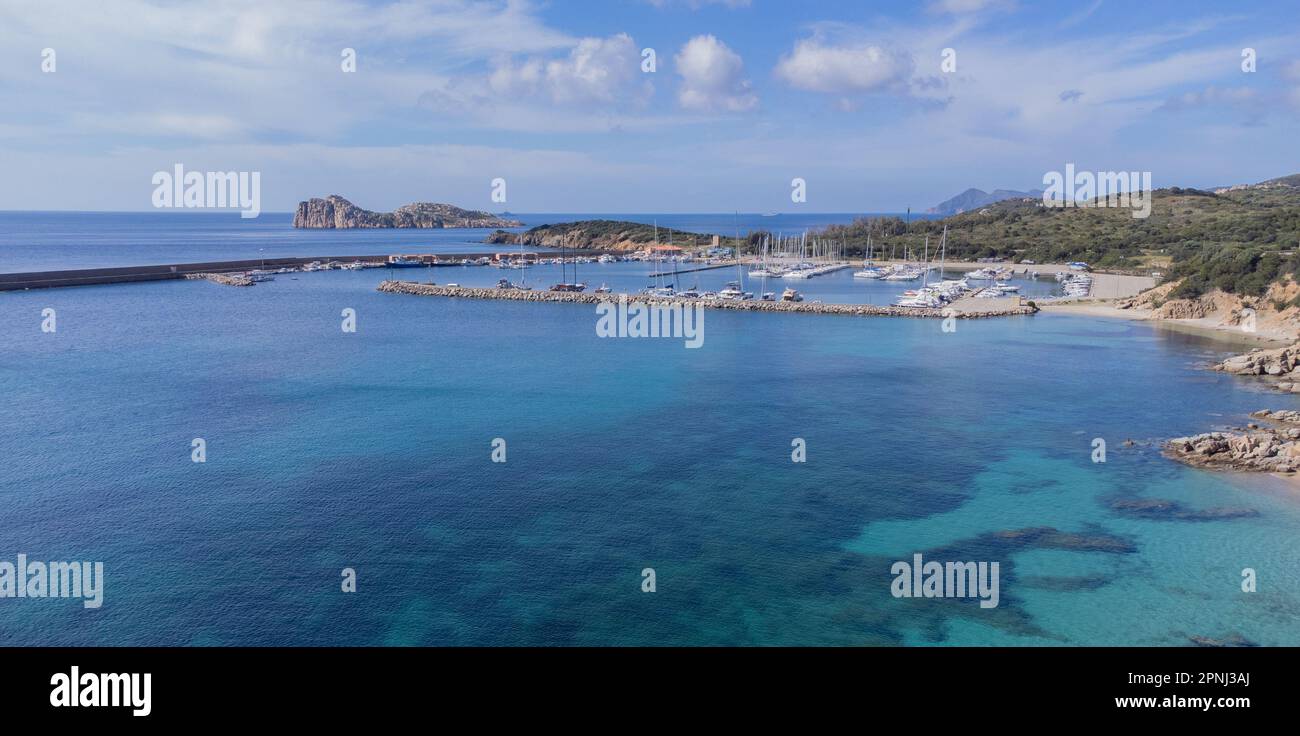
x=599, y=235
x=336, y=212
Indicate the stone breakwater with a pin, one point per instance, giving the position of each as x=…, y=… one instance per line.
x=1274, y=449
x=856, y=310
x=225, y=279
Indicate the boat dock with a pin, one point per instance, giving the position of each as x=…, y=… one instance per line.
x=709, y=267
x=1007, y=308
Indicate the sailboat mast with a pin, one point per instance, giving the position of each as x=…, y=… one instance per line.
x=925, y=262
x=658, y=276
x=674, y=257
x=943, y=251
x=740, y=274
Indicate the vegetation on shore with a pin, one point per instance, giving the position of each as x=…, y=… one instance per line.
x=605, y=235
x=1238, y=241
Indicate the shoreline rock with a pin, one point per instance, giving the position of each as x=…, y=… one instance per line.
x=335, y=212
x=1257, y=449
x=1279, y=367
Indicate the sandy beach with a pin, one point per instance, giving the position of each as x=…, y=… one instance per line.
x=1208, y=327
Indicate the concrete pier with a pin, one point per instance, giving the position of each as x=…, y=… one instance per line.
x=163, y=272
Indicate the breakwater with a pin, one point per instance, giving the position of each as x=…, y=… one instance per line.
x=855, y=310
x=159, y=272
x=167, y=271
x=225, y=279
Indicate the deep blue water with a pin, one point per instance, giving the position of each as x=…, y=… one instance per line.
x=372, y=450
x=34, y=241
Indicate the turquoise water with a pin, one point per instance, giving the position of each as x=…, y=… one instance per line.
x=372, y=450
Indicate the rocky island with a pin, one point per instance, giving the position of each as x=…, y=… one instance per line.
x=336, y=212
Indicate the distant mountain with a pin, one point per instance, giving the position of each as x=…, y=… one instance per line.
x=336, y=212
x=975, y=198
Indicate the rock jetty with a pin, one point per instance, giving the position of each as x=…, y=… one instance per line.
x=856, y=310
x=225, y=279
x=336, y=212
x=1256, y=448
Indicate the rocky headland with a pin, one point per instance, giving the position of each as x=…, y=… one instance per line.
x=601, y=235
x=335, y=212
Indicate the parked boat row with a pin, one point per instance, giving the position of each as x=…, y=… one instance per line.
x=1075, y=284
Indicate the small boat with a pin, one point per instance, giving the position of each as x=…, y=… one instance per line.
x=868, y=273
x=790, y=295
x=769, y=296
x=404, y=262
x=259, y=276
x=733, y=292
x=602, y=289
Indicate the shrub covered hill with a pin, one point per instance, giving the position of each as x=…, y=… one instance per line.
x=604, y=235
x=1238, y=240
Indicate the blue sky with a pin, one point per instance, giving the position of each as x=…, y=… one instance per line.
x=451, y=94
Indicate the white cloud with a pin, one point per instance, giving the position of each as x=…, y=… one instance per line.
x=1209, y=96
x=697, y=4
x=713, y=77
x=821, y=67
x=595, y=70
x=960, y=7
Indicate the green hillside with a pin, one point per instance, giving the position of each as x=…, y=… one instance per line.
x=1238, y=241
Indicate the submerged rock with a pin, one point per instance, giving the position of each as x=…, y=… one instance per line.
x=1051, y=538
x=1231, y=640
x=1164, y=509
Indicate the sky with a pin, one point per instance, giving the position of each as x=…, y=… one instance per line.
x=876, y=106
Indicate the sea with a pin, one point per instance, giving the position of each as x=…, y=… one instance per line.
x=495, y=473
